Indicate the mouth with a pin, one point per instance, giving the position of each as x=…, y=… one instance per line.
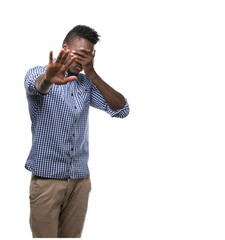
x=79, y=68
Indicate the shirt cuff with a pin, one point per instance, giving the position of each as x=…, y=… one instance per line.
x=30, y=79
x=120, y=113
x=39, y=93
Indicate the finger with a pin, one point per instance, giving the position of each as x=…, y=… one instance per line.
x=51, y=57
x=59, y=56
x=69, y=79
x=79, y=61
x=81, y=58
x=80, y=53
x=87, y=51
x=63, y=59
x=70, y=62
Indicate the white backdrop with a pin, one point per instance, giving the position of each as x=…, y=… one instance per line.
x=157, y=174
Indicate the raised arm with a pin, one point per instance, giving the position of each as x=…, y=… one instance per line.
x=55, y=72
x=114, y=99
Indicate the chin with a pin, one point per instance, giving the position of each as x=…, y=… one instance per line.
x=72, y=72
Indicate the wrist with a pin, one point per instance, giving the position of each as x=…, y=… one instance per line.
x=42, y=84
x=46, y=81
x=91, y=74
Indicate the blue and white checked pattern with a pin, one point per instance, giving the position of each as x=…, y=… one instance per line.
x=60, y=125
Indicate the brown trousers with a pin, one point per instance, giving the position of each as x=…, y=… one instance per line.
x=58, y=206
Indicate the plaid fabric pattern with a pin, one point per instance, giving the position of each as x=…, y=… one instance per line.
x=60, y=125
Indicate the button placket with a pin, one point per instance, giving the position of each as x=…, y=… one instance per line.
x=73, y=88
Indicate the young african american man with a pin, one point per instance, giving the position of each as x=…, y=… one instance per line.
x=59, y=96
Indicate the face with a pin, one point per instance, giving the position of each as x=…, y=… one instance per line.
x=76, y=44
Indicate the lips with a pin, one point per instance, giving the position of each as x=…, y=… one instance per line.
x=79, y=68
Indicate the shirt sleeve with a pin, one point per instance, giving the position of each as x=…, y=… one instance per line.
x=30, y=78
x=98, y=101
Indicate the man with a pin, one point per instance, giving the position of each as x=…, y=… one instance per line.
x=59, y=97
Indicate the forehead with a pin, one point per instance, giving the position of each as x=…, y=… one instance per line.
x=77, y=43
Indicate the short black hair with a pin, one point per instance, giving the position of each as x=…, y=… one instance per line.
x=82, y=31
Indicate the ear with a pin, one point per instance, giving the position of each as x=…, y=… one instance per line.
x=65, y=46
x=94, y=53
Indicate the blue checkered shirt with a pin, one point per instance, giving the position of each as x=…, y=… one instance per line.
x=60, y=125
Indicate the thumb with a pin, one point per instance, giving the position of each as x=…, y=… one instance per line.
x=69, y=79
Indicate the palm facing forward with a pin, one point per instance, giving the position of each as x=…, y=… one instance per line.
x=55, y=71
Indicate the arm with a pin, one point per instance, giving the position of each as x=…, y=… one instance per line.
x=55, y=73
x=99, y=102
x=42, y=84
x=114, y=99
x=30, y=78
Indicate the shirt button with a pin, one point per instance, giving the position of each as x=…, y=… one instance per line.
x=71, y=94
x=73, y=135
x=75, y=120
x=71, y=149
